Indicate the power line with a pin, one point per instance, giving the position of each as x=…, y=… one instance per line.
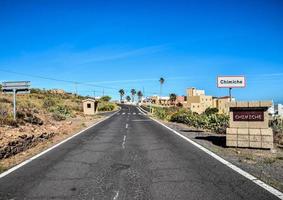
x=58, y=80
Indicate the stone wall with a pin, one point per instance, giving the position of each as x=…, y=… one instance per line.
x=251, y=134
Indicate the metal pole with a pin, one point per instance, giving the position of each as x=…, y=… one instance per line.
x=14, y=93
x=230, y=94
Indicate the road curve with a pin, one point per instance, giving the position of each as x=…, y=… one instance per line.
x=128, y=156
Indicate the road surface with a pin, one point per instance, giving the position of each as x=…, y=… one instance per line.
x=128, y=156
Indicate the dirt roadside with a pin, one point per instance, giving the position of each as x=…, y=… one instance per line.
x=26, y=141
x=267, y=165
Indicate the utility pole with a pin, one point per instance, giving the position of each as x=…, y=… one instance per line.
x=76, y=88
x=94, y=94
x=230, y=94
x=103, y=92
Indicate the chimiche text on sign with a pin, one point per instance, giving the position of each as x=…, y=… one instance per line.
x=248, y=115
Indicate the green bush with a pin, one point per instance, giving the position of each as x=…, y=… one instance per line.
x=49, y=102
x=105, y=98
x=277, y=125
x=106, y=106
x=61, y=112
x=58, y=117
x=210, y=111
x=214, y=122
x=164, y=112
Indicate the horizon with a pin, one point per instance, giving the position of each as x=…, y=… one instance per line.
x=104, y=47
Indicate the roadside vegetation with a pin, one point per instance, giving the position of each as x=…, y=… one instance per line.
x=209, y=120
x=277, y=126
x=105, y=104
x=41, y=116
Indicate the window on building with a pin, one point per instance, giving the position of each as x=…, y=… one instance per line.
x=88, y=105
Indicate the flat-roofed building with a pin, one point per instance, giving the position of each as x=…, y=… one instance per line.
x=90, y=106
x=221, y=103
x=197, y=101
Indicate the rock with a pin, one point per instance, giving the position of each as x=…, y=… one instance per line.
x=34, y=120
x=23, y=136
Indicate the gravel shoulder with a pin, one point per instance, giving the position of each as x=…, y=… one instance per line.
x=267, y=165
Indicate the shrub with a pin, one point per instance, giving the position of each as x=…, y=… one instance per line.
x=58, y=117
x=214, y=122
x=49, y=102
x=277, y=125
x=106, y=106
x=164, y=112
x=5, y=100
x=210, y=111
x=105, y=98
x=181, y=117
x=61, y=112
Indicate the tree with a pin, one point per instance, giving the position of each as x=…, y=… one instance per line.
x=105, y=98
x=128, y=98
x=122, y=93
x=161, y=81
x=140, y=95
x=133, y=92
x=173, y=97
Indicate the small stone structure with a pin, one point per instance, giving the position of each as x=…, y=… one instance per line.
x=249, y=125
x=90, y=106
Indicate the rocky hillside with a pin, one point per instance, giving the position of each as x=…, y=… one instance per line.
x=41, y=115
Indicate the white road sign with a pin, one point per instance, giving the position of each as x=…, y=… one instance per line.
x=231, y=82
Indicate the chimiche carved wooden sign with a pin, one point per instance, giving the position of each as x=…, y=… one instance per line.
x=248, y=115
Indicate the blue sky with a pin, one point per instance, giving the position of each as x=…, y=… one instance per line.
x=131, y=44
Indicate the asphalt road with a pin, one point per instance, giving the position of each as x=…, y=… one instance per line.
x=128, y=156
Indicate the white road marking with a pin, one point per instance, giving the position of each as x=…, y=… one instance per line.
x=51, y=148
x=134, y=113
x=139, y=113
x=127, y=125
x=123, y=113
x=260, y=183
x=141, y=120
x=141, y=110
x=124, y=141
x=116, y=195
x=129, y=113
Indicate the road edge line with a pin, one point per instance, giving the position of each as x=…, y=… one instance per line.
x=5, y=173
x=247, y=175
x=141, y=110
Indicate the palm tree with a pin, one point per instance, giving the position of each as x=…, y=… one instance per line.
x=122, y=93
x=173, y=97
x=140, y=95
x=128, y=98
x=161, y=81
x=133, y=92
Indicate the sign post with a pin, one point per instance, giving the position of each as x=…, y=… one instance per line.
x=16, y=87
x=231, y=82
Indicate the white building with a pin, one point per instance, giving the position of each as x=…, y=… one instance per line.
x=278, y=109
x=271, y=110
